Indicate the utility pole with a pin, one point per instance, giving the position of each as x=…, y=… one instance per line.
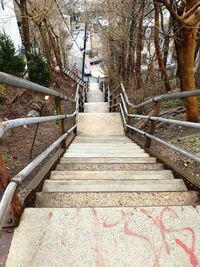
x=84, y=50
x=85, y=42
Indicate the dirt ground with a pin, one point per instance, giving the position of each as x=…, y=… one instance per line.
x=184, y=137
x=16, y=145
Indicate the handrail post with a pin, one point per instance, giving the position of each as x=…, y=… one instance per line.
x=152, y=129
x=16, y=208
x=85, y=91
x=62, y=121
x=106, y=95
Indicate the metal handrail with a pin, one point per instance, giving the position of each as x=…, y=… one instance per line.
x=10, y=124
x=73, y=76
x=159, y=119
x=17, y=179
x=178, y=149
x=126, y=115
x=168, y=96
x=5, y=126
x=22, y=83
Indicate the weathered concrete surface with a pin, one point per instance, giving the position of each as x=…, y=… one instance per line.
x=106, y=154
x=115, y=199
x=113, y=185
x=100, y=107
x=109, y=167
x=100, y=124
x=156, y=236
x=108, y=160
x=113, y=175
x=104, y=146
x=108, y=140
x=110, y=149
x=5, y=242
x=95, y=96
x=101, y=137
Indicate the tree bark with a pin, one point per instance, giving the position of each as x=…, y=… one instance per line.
x=186, y=53
x=186, y=18
x=139, y=46
x=46, y=45
x=25, y=28
x=53, y=43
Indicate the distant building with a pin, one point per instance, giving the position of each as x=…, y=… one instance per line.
x=8, y=22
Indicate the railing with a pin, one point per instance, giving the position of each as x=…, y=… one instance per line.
x=73, y=76
x=118, y=98
x=11, y=185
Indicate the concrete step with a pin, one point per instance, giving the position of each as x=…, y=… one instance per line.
x=115, y=199
x=106, y=154
x=112, y=175
x=106, y=148
x=113, y=185
x=96, y=96
x=105, y=160
x=96, y=124
x=102, y=141
x=108, y=166
x=85, y=139
x=113, y=137
x=98, y=107
x=148, y=236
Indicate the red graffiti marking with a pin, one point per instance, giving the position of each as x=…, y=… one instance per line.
x=100, y=262
x=193, y=259
x=50, y=214
x=40, y=241
x=62, y=241
x=129, y=232
x=158, y=222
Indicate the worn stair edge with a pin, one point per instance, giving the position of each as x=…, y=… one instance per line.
x=118, y=175
x=109, y=166
x=100, y=141
x=113, y=185
x=105, y=145
x=106, y=160
x=103, y=155
x=115, y=199
x=103, y=149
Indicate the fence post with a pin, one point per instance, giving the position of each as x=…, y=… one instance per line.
x=152, y=128
x=16, y=208
x=62, y=121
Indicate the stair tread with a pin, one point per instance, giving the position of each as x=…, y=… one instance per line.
x=98, y=175
x=108, y=236
x=105, y=124
x=114, y=199
x=101, y=166
x=113, y=185
x=107, y=160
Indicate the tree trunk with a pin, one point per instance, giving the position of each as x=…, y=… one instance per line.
x=25, y=28
x=46, y=45
x=161, y=64
x=53, y=43
x=140, y=33
x=186, y=53
x=131, y=52
x=167, y=41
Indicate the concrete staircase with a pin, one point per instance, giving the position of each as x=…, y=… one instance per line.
x=108, y=203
